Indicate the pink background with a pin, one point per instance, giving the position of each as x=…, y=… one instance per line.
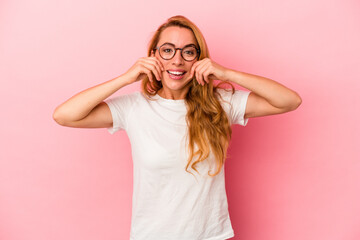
x=291, y=176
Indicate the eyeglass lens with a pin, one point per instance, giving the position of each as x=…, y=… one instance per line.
x=167, y=51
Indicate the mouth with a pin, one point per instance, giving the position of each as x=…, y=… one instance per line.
x=176, y=74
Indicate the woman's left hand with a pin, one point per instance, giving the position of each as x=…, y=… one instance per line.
x=206, y=70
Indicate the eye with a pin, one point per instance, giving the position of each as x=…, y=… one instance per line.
x=167, y=50
x=189, y=52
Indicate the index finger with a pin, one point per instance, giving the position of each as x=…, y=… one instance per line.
x=159, y=63
x=193, y=68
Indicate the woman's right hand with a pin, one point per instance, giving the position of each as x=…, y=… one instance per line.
x=145, y=66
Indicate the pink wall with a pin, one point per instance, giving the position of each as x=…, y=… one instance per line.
x=291, y=176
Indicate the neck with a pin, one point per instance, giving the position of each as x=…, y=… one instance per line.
x=174, y=95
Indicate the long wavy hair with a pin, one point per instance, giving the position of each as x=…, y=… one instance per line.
x=208, y=126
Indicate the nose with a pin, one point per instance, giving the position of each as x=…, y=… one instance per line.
x=177, y=59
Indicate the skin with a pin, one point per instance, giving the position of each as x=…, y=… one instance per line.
x=87, y=109
x=180, y=37
x=267, y=96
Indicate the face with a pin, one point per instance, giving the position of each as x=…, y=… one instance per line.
x=174, y=84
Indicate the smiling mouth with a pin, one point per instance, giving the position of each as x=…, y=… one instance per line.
x=176, y=73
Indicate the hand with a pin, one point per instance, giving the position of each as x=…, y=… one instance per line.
x=206, y=70
x=146, y=66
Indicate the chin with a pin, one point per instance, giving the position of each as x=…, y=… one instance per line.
x=176, y=84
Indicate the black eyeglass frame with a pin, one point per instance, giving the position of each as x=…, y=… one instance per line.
x=181, y=51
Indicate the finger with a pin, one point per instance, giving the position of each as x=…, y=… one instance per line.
x=161, y=66
x=205, y=70
x=148, y=73
x=201, y=70
x=198, y=78
x=207, y=75
x=155, y=69
x=195, y=72
x=191, y=75
x=156, y=63
x=193, y=68
x=158, y=69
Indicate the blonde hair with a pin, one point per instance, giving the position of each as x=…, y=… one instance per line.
x=207, y=121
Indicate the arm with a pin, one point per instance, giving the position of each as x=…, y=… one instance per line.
x=267, y=97
x=87, y=109
x=79, y=106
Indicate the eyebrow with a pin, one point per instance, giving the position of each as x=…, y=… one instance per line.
x=191, y=44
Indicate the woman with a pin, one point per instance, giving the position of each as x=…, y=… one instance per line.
x=180, y=120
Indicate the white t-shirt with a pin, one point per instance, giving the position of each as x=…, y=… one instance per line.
x=169, y=203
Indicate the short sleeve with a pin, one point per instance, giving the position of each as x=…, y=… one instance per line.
x=235, y=105
x=120, y=108
x=238, y=106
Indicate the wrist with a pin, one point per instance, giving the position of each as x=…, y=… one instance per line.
x=122, y=80
x=228, y=75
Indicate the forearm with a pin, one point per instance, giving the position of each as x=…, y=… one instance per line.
x=276, y=94
x=80, y=105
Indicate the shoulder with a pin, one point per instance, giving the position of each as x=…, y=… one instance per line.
x=132, y=96
x=234, y=104
x=125, y=99
x=229, y=95
x=224, y=93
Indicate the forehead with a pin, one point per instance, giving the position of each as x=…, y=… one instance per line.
x=178, y=36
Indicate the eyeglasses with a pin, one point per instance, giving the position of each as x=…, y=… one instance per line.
x=167, y=51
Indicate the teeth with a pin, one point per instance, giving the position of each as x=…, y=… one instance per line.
x=176, y=73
